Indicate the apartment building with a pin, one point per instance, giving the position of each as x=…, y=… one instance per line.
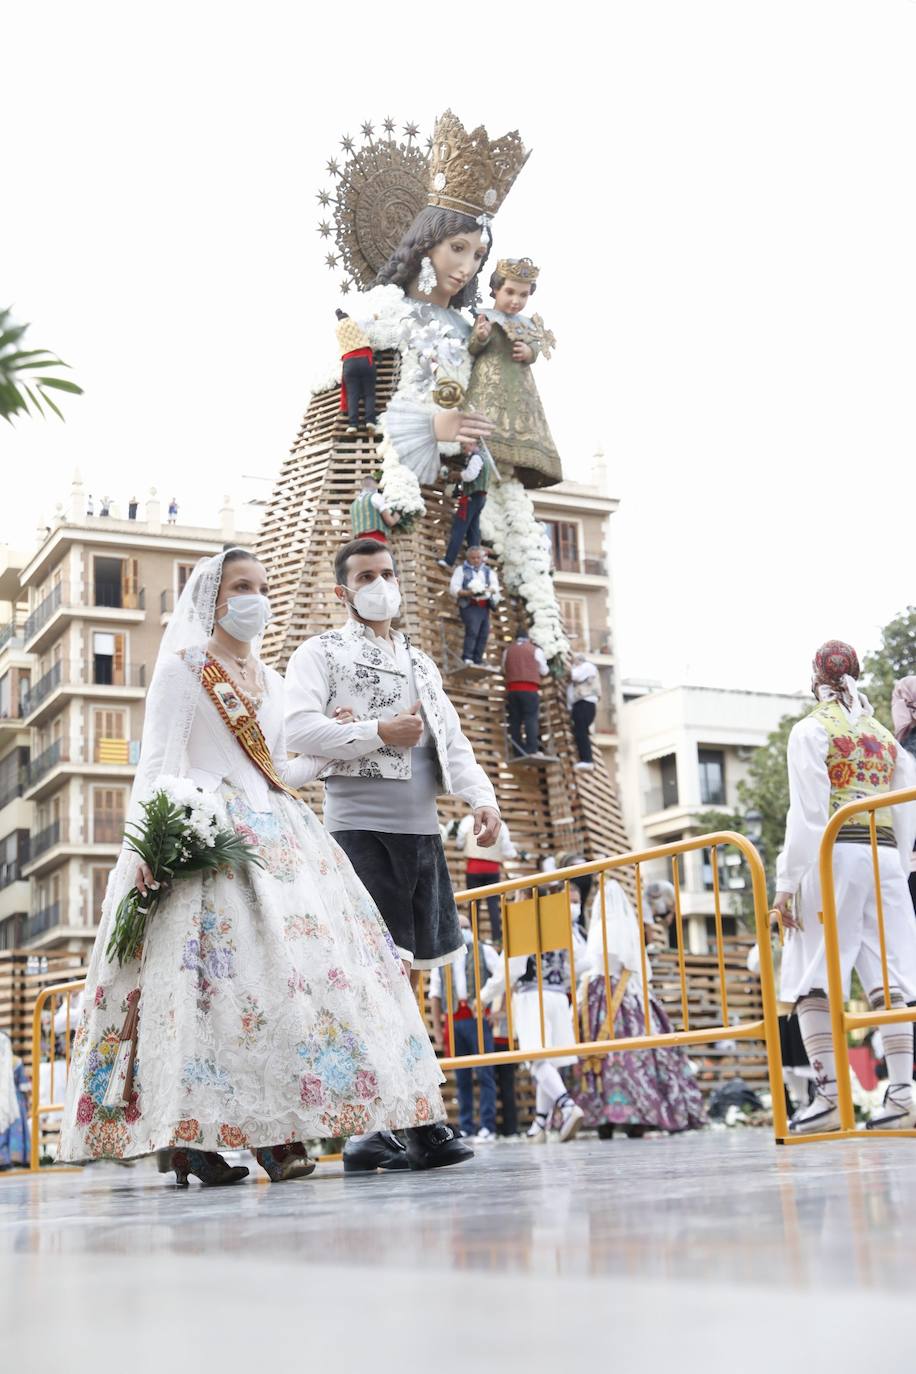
x=578, y=519
x=15, y=813
x=683, y=751
x=94, y=597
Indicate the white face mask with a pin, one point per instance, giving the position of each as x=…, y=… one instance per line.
x=380, y=600
x=247, y=617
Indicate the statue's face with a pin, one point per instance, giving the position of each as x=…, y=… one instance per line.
x=456, y=260
x=512, y=297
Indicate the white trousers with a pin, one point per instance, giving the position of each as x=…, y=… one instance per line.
x=804, y=965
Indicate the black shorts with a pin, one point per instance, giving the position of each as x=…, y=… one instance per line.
x=407, y=877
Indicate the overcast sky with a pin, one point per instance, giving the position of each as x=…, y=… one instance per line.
x=721, y=198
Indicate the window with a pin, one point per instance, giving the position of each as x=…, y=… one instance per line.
x=668, y=769
x=107, y=659
x=108, y=815
x=108, y=582
x=182, y=573
x=564, y=543
x=712, y=777
x=575, y=620
x=6, y=696
x=108, y=727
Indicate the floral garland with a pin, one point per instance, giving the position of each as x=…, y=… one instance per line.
x=509, y=523
x=400, y=486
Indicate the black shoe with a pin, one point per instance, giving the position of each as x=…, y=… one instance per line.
x=433, y=1147
x=381, y=1150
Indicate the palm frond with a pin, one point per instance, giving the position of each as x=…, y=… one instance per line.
x=24, y=374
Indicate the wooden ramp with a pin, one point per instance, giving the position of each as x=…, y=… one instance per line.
x=550, y=811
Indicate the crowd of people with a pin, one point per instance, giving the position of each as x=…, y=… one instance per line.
x=109, y=508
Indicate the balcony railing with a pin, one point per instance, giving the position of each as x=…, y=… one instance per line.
x=109, y=597
x=43, y=920
x=11, y=632
x=48, y=759
x=659, y=799
x=12, y=791
x=10, y=873
x=117, y=598
x=44, y=610
x=42, y=689
x=102, y=672
x=46, y=839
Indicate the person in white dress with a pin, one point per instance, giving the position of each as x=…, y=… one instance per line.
x=837, y=754
x=273, y=1007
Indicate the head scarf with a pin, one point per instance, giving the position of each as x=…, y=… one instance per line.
x=903, y=706
x=835, y=671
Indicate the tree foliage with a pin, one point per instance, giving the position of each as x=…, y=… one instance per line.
x=896, y=658
x=27, y=375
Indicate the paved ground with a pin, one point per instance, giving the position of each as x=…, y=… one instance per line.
x=713, y=1251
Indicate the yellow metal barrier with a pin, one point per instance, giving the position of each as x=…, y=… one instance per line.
x=48, y=996
x=540, y=922
x=842, y=1022
x=536, y=924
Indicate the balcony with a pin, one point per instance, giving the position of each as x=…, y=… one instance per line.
x=64, y=680
x=659, y=799
x=42, y=689
x=582, y=572
x=109, y=759
x=45, y=839
x=103, y=603
x=41, y=766
x=12, y=791
x=43, y=611
x=43, y=920
x=10, y=873
x=11, y=634
x=100, y=838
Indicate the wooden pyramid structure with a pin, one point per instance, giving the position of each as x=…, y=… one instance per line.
x=551, y=808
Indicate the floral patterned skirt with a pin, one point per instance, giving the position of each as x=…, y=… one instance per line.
x=653, y=1088
x=273, y=1007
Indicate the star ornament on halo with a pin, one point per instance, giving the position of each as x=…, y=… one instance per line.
x=324, y=229
x=411, y=130
x=388, y=125
x=331, y=260
x=333, y=168
x=324, y=198
x=347, y=143
x=367, y=129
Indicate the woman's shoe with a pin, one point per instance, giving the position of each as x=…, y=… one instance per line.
x=209, y=1167
x=282, y=1163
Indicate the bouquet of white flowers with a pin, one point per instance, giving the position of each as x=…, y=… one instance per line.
x=401, y=488
x=180, y=834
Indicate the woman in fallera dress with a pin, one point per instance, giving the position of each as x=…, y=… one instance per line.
x=273, y=1007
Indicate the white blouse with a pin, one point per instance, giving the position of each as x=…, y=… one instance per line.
x=809, y=809
x=212, y=755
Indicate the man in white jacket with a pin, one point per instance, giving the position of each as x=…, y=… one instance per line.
x=383, y=775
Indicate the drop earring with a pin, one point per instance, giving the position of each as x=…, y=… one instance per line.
x=426, y=283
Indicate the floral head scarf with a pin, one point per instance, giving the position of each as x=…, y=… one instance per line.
x=835, y=672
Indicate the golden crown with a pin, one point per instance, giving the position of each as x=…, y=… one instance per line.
x=468, y=173
x=518, y=269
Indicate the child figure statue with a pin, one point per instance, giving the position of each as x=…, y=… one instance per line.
x=504, y=343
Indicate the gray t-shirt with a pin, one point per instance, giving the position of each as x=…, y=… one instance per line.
x=391, y=805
